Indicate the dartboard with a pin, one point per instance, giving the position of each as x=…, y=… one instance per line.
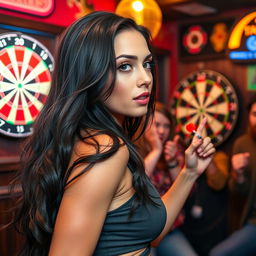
x=206, y=93
x=25, y=80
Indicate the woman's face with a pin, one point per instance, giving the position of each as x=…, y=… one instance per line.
x=162, y=125
x=133, y=84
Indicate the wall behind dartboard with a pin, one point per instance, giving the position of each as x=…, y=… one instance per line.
x=204, y=40
x=197, y=51
x=202, y=45
x=44, y=37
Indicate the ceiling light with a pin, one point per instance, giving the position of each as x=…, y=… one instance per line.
x=194, y=9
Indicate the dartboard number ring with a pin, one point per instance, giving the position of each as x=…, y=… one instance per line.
x=206, y=93
x=25, y=80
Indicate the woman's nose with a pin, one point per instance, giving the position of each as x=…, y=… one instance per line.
x=160, y=130
x=144, y=77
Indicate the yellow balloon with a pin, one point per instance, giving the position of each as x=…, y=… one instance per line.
x=143, y=12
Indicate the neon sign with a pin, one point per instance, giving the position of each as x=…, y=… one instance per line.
x=34, y=7
x=242, y=40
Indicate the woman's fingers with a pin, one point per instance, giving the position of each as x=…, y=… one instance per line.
x=204, y=144
x=196, y=141
x=206, y=148
x=201, y=126
x=209, y=152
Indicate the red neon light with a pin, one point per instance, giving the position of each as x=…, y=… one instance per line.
x=36, y=7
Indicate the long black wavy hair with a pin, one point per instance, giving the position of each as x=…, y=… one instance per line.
x=85, y=62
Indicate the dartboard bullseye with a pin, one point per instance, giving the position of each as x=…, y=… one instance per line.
x=206, y=93
x=25, y=80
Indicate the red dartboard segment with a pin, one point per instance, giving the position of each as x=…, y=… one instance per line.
x=33, y=111
x=34, y=60
x=25, y=80
x=20, y=117
x=19, y=53
x=4, y=57
x=206, y=93
x=44, y=76
x=5, y=111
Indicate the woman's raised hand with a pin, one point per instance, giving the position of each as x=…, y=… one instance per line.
x=200, y=152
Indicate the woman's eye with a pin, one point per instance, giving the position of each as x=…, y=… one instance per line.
x=156, y=124
x=148, y=64
x=125, y=67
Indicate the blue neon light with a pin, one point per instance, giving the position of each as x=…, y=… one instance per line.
x=242, y=55
x=27, y=30
x=251, y=43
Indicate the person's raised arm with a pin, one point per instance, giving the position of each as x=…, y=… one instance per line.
x=151, y=159
x=197, y=157
x=171, y=156
x=85, y=204
x=218, y=171
x=239, y=163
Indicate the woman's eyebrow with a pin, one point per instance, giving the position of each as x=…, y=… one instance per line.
x=133, y=57
x=127, y=56
x=148, y=56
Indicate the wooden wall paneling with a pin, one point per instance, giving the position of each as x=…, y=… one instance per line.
x=10, y=240
x=10, y=148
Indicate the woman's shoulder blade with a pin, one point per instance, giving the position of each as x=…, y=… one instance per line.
x=96, y=144
x=115, y=163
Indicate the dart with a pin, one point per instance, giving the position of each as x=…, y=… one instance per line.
x=192, y=128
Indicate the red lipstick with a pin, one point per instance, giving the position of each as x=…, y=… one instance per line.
x=143, y=98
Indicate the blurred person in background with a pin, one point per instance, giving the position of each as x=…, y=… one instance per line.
x=243, y=185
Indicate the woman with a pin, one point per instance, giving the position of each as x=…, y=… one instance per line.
x=85, y=191
x=164, y=158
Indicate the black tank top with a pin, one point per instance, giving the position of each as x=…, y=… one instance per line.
x=121, y=234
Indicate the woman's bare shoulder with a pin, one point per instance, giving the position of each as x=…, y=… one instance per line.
x=88, y=198
x=97, y=143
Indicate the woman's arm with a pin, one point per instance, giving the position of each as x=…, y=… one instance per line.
x=84, y=206
x=197, y=157
x=172, y=155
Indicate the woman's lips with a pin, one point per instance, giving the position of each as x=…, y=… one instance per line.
x=143, y=98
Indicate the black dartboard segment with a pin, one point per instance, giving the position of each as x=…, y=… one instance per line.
x=206, y=93
x=25, y=80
